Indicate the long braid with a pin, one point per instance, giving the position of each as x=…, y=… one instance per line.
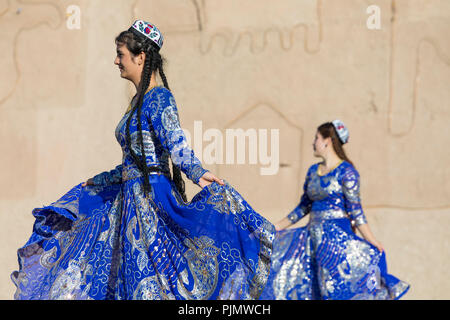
x=140, y=161
x=153, y=62
x=135, y=157
x=162, y=74
x=145, y=81
x=176, y=172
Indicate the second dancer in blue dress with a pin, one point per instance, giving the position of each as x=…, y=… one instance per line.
x=326, y=259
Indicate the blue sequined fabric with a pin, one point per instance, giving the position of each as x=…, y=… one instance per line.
x=110, y=241
x=325, y=259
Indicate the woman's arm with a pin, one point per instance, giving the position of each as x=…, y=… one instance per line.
x=283, y=224
x=368, y=235
x=300, y=211
x=352, y=201
x=165, y=121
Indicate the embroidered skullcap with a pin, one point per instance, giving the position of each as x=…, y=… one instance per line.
x=148, y=30
x=341, y=130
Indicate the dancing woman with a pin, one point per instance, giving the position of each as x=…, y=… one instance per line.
x=130, y=233
x=326, y=259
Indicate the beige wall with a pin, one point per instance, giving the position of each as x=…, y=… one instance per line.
x=288, y=65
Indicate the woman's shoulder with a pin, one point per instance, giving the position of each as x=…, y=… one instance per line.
x=161, y=91
x=312, y=168
x=154, y=92
x=347, y=169
x=160, y=95
x=158, y=98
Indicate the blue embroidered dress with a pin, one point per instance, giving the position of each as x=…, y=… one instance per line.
x=108, y=241
x=326, y=259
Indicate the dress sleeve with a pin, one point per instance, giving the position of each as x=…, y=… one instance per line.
x=304, y=207
x=352, y=200
x=166, y=124
x=108, y=178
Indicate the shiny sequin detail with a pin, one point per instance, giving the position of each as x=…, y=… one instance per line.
x=338, y=190
x=326, y=259
x=111, y=241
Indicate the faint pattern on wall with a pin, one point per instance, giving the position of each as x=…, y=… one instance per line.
x=291, y=165
x=235, y=23
x=241, y=64
x=418, y=106
x=44, y=67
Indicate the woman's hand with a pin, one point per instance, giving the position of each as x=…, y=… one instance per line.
x=282, y=224
x=90, y=182
x=377, y=244
x=368, y=235
x=209, y=178
x=278, y=227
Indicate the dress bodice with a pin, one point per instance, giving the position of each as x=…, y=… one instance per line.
x=162, y=138
x=332, y=195
x=156, y=155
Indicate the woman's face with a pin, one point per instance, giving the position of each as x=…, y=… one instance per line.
x=319, y=145
x=130, y=66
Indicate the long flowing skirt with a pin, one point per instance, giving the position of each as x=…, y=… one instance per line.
x=327, y=260
x=114, y=243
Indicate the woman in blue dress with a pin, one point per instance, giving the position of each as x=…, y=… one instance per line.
x=326, y=259
x=130, y=233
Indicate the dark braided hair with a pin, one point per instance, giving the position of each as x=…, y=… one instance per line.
x=153, y=61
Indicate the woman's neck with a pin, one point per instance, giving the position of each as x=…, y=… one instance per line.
x=330, y=161
x=152, y=83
